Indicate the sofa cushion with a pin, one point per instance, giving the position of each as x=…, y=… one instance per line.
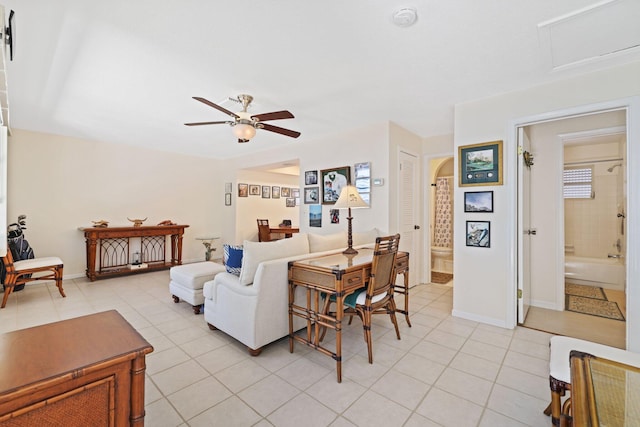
x=322, y=243
x=365, y=237
x=256, y=252
x=233, y=258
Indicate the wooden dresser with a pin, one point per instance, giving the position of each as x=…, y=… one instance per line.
x=87, y=371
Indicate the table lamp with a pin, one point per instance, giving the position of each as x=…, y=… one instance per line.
x=350, y=198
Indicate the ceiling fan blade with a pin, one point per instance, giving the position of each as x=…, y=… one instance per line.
x=282, y=131
x=206, y=123
x=216, y=106
x=276, y=115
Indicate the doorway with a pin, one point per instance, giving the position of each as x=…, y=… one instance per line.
x=441, y=209
x=569, y=227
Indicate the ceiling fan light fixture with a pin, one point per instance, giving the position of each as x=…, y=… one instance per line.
x=244, y=131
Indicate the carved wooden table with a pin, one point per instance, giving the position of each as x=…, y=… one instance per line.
x=115, y=249
x=87, y=371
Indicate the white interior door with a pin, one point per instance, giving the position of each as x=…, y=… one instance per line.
x=524, y=227
x=408, y=215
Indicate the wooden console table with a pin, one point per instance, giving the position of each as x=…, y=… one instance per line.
x=115, y=243
x=87, y=371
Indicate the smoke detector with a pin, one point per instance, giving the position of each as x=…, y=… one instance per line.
x=405, y=17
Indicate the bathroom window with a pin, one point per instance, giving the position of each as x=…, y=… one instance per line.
x=578, y=183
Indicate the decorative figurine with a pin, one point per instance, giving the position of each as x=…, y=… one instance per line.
x=100, y=224
x=166, y=222
x=137, y=222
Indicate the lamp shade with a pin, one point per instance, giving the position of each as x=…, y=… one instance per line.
x=244, y=131
x=350, y=198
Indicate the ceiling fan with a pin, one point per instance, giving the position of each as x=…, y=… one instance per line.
x=244, y=124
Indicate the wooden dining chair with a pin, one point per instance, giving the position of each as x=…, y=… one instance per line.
x=28, y=270
x=377, y=296
x=264, y=232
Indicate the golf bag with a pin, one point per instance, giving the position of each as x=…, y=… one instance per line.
x=18, y=245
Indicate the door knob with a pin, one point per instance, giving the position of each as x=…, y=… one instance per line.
x=532, y=231
x=416, y=227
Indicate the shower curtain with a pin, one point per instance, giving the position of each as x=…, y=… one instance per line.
x=442, y=235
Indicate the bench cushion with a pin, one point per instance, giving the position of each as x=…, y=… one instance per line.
x=194, y=275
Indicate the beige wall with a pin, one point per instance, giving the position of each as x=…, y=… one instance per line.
x=63, y=183
x=249, y=209
x=485, y=278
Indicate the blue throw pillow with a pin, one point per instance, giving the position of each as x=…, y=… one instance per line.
x=233, y=259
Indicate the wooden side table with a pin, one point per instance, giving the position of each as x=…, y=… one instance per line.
x=87, y=371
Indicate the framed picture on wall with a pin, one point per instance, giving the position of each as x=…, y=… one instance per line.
x=285, y=192
x=479, y=234
x=291, y=202
x=310, y=177
x=266, y=192
x=478, y=201
x=254, y=190
x=311, y=195
x=243, y=190
x=480, y=164
x=333, y=181
x=275, y=192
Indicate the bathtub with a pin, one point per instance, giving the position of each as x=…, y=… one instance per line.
x=607, y=273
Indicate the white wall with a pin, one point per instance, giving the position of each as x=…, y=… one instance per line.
x=485, y=278
x=249, y=209
x=63, y=183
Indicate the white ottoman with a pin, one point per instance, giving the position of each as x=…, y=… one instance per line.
x=187, y=281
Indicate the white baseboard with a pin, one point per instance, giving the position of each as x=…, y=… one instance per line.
x=482, y=319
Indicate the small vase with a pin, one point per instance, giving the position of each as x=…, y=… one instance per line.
x=207, y=255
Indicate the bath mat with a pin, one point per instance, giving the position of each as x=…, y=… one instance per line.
x=584, y=291
x=594, y=307
x=440, y=278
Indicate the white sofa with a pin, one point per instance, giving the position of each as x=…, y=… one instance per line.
x=254, y=307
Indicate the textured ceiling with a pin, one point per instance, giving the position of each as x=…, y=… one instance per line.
x=124, y=71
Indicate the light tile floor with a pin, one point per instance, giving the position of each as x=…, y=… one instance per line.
x=444, y=371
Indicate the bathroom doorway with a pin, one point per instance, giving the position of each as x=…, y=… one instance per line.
x=441, y=219
x=580, y=168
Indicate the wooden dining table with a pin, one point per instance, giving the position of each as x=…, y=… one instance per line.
x=287, y=231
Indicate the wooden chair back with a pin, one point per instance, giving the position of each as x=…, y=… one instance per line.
x=383, y=267
x=264, y=232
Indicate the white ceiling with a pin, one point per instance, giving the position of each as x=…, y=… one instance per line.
x=124, y=71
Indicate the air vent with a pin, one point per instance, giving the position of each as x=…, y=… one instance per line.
x=596, y=32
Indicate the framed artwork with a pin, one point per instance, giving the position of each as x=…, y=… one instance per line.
x=362, y=173
x=227, y=187
x=335, y=216
x=480, y=164
x=291, y=202
x=333, y=181
x=479, y=234
x=254, y=190
x=295, y=192
x=227, y=199
x=478, y=201
x=285, y=192
x=311, y=195
x=243, y=190
x=315, y=215
x=275, y=192
x=310, y=177
x=266, y=192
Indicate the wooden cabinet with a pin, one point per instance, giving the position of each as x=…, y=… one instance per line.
x=87, y=371
x=109, y=249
